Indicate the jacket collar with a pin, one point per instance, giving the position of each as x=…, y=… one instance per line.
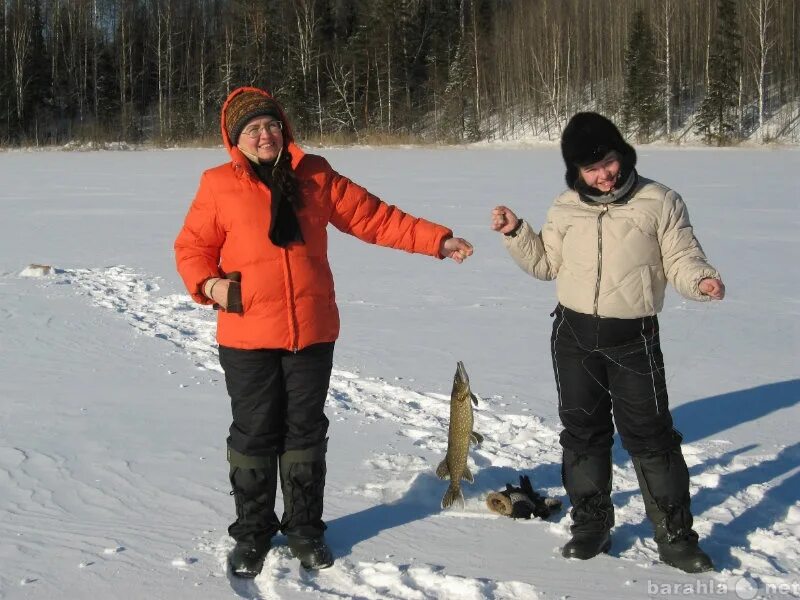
x=618, y=195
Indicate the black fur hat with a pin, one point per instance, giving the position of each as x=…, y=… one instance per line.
x=587, y=138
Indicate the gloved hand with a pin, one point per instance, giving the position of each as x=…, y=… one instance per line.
x=522, y=502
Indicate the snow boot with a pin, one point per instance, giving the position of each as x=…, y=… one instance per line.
x=313, y=552
x=587, y=480
x=664, y=481
x=255, y=481
x=247, y=558
x=303, y=485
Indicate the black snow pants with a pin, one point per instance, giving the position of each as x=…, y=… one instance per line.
x=277, y=398
x=279, y=428
x=606, y=366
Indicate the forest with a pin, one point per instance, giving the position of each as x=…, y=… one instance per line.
x=386, y=71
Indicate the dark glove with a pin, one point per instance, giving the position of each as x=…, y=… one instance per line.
x=522, y=502
x=235, y=292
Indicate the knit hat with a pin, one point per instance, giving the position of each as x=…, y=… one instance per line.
x=588, y=138
x=246, y=106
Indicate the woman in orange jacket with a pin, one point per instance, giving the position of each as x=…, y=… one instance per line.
x=254, y=244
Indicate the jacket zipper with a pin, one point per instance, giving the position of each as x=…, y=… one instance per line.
x=599, y=256
x=289, y=285
x=290, y=301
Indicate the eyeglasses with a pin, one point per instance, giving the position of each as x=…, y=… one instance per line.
x=254, y=132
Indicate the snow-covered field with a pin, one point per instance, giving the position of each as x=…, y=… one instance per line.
x=113, y=412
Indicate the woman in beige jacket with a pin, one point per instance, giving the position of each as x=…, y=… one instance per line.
x=612, y=241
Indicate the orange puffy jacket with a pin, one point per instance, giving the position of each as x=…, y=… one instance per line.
x=287, y=293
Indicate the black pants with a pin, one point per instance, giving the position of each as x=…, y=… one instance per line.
x=604, y=366
x=277, y=398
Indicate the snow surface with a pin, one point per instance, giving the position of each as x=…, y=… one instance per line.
x=113, y=411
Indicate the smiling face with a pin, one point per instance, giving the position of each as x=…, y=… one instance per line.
x=268, y=138
x=603, y=174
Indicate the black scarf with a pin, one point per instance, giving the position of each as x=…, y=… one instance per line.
x=284, y=228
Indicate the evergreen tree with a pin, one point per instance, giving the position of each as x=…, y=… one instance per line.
x=427, y=69
x=641, y=109
x=716, y=119
x=38, y=103
x=5, y=81
x=445, y=70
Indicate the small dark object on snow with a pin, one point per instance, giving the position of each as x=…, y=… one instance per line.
x=522, y=502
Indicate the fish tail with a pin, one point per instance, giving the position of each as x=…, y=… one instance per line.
x=453, y=495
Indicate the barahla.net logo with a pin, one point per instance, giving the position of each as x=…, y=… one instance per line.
x=742, y=586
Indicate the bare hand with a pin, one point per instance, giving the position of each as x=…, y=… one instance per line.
x=714, y=288
x=216, y=289
x=503, y=219
x=224, y=292
x=456, y=248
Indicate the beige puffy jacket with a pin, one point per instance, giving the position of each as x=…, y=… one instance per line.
x=614, y=260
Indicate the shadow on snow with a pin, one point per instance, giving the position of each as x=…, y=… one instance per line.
x=423, y=499
x=708, y=417
x=698, y=420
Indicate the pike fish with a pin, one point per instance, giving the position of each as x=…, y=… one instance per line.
x=454, y=466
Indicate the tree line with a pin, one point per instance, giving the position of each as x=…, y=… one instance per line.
x=421, y=70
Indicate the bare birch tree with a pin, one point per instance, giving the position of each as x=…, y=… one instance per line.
x=20, y=47
x=760, y=12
